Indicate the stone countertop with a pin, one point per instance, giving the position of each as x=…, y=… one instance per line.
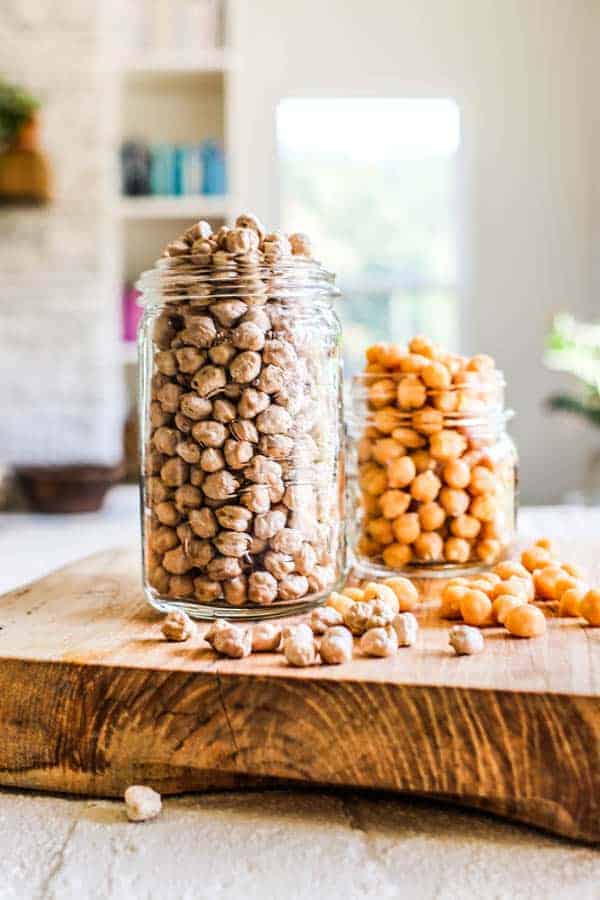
x=297, y=845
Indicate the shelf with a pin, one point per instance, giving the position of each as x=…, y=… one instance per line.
x=197, y=206
x=168, y=62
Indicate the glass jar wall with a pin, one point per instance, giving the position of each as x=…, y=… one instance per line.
x=241, y=432
x=433, y=471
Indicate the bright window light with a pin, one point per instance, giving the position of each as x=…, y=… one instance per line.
x=374, y=182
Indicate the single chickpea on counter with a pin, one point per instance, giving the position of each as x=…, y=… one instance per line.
x=436, y=469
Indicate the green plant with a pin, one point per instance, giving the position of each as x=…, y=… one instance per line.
x=574, y=347
x=17, y=106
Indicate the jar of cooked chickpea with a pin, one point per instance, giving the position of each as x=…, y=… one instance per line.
x=241, y=425
x=433, y=471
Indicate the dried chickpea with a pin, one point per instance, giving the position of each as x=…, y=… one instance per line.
x=536, y=558
x=336, y=646
x=571, y=600
x=425, y=487
x=355, y=593
x=525, y=621
x=475, y=607
x=401, y=472
x=457, y=550
x=373, y=590
x=406, y=528
x=429, y=546
x=379, y=641
x=431, y=516
x=465, y=640
x=397, y=556
x=589, y=607
x=340, y=602
x=393, y=503
x=456, y=473
x=324, y=617
x=455, y=501
x=503, y=604
x=466, y=527
x=387, y=449
x=411, y=393
x=406, y=593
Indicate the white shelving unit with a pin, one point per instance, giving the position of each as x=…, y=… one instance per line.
x=181, y=98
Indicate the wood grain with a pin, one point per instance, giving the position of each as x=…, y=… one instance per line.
x=92, y=699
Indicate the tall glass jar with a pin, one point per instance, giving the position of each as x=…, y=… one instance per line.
x=432, y=474
x=241, y=434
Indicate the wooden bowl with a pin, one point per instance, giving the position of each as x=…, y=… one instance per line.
x=68, y=489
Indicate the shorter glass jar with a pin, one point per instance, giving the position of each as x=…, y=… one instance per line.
x=241, y=435
x=432, y=488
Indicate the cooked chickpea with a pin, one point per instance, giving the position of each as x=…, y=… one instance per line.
x=423, y=346
x=406, y=528
x=482, y=481
x=371, y=505
x=339, y=602
x=454, y=501
x=475, y=607
x=411, y=392
x=429, y=546
x=386, y=419
x=456, y=473
x=425, y=487
x=576, y=571
x=544, y=581
x=382, y=392
x=589, y=607
x=571, y=600
x=436, y=376
x=525, y=621
x=394, y=503
x=446, y=444
x=509, y=568
x=397, y=556
x=401, y=472
x=450, y=602
x=488, y=551
x=406, y=593
x=423, y=461
x=374, y=480
x=431, y=516
x=381, y=531
x=445, y=401
x=408, y=437
x=484, y=507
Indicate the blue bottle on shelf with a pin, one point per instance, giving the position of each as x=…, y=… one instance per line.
x=213, y=168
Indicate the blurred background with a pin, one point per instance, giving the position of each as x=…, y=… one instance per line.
x=443, y=155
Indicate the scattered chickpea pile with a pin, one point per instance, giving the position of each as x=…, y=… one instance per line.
x=505, y=596
x=234, y=418
x=380, y=615
x=436, y=487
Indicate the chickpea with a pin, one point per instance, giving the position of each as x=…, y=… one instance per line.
x=277, y=446
x=450, y=601
x=536, y=558
x=376, y=591
x=387, y=449
x=221, y=568
x=446, y=444
x=456, y=473
x=211, y=460
x=382, y=392
x=425, y=487
x=525, y=621
x=220, y=485
x=411, y=393
x=428, y=420
x=181, y=586
x=365, y=450
x=157, y=416
x=475, y=607
x=224, y=410
x=546, y=544
x=394, y=503
x=159, y=579
x=454, y=501
x=484, y=507
x=167, y=513
x=174, y=472
x=279, y=353
x=188, y=497
x=234, y=518
x=194, y=407
x=406, y=528
x=354, y=593
x=339, y=602
x=509, y=568
x=482, y=481
x=457, y=550
x=189, y=452
x=221, y=354
x=244, y=430
x=488, y=551
x=248, y=336
x=544, y=581
x=208, y=380
x=156, y=491
x=395, y=358
x=271, y=379
x=576, y=571
x=465, y=527
x=209, y=433
x=481, y=363
x=189, y=359
x=245, y=366
x=200, y=331
x=514, y=586
x=406, y=593
x=226, y=312
x=381, y=531
x=163, y=539
x=253, y=403
x=445, y=401
x=274, y=420
x=397, y=556
x=408, y=437
x=431, y=516
x=386, y=419
x=292, y=587
x=401, y=472
x=571, y=600
x=374, y=353
x=429, y=546
x=165, y=441
x=237, y=453
x=436, y=376
x=236, y=591
x=589, y=607
x=177, y=562
x=423, y=461
x=278, y=564
x=203, y=522
x=422, y=345
x=206, y=590
x=503, y=604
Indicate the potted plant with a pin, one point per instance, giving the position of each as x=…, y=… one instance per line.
x=24, y=172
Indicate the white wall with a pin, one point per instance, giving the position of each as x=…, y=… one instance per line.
x=519, y=70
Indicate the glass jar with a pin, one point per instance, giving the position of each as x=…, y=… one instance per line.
x=241, y=435
x=433, y=488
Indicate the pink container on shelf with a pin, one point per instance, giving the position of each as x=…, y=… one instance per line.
x=132, y=313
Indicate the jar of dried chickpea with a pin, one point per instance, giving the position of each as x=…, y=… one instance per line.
x=241, y=425
x=433, y=471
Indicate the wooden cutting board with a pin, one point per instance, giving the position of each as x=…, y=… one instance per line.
x=92, y=699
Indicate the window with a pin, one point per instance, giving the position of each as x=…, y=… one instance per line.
x=374, y=182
